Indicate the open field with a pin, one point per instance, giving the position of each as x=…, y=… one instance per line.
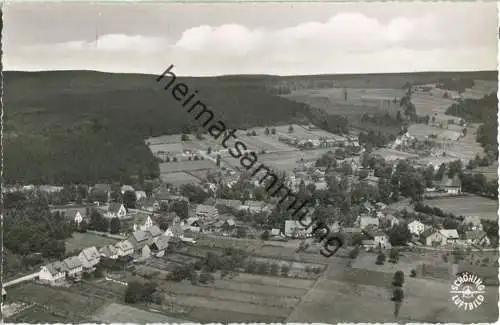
x=491, y=172
x=179, y=178
x=75, y=307
x=35, y=315
x=427, y=104
x=467, y=206
x=480, y=89
x=359, y=100
x=118, y=313
x=351, y=295
x=80, y=241
x=180, y=166
x=210, y=315
x=269, y=143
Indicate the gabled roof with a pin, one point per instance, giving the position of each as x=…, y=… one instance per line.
x=55, y=267
x=140, y=235
x=154, y=231
x=415, y=222
x=449, y=233
x=72, y=262
x=90, y=253
x=426, y=233
x=108, y=250
x=124, y=245
x=161, y=242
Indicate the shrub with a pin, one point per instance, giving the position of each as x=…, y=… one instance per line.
x=284, y=270
x=399, y=279
x=380, y=259
x=413, y=273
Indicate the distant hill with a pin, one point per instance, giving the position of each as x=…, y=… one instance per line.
x=85, y=126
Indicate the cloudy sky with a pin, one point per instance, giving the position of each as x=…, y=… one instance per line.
x=285, y=39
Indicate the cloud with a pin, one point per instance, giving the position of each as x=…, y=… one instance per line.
x=347, y=42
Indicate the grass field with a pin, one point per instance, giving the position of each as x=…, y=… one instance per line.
x=80, y=241
x=75, y=307
x=350, y=295
x=118, y=313
x=467, y=206
x=179, y=178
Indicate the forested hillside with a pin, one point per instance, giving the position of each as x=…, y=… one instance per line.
x=85, y=127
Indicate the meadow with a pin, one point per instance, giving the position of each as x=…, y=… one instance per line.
x=79, y=241
x=470, y=205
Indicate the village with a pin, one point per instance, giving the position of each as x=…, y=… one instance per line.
x=208, y=219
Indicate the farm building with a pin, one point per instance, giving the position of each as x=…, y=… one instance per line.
x=124, y=248
x=206, y=211
x=89, y=257
x=451, y=186
x=73, y=265
x=365, y=221
x=52, y=273
x=160, y=245
x=431, y=237
x=142, y=222
x=109, y=251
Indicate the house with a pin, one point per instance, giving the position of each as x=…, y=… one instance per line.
x=207, y=211
x=473, y=222
x=275, y=232
x=124, y=248
x=116, y=210
x=126, y=188
x=477, y=238
x=431, y=237
x=450, y=236
x=154, y=231
x=255, y=206
x=193, y=224
x=89, y=257
x=143, y=223
x=365, y=221
x=416, y=227
x=140, y=195
x=109, y=251
x=53, y=273
x=145, y=252
x=451, y=186
x=140, y=238
x=175, y=230
x=293, y=228
x=160, y=245
x=74, y=267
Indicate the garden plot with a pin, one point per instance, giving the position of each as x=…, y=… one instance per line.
x=185, y=166
x=209, y=315
x=273, y=281
x=269, y=143
x=426, y=104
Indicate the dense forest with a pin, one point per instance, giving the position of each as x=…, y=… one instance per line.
x=484, y=111
x=85, y=127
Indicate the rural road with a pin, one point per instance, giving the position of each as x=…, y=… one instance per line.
x=21, y=279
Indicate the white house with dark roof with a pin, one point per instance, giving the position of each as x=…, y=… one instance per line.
x=74, y=267
x=89, y=257
x=451, y=185
x=450, y=236
x=124, y=248
x=52, y=273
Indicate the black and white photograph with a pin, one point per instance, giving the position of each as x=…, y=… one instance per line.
x=249, y=162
